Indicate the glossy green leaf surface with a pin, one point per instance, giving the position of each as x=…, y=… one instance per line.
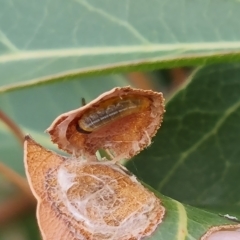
x=185, y=222
x=195, y=156
x=47, y=40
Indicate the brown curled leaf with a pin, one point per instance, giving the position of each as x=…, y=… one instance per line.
x=121, y=121
x=88, y=200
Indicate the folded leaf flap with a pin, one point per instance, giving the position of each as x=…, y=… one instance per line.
x=122, y=121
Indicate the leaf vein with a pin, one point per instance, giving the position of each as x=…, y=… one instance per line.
x=205, y=137
x=112, y=18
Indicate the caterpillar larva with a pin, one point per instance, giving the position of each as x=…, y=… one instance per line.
x=111, y=110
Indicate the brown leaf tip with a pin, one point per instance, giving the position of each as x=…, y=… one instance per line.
x=121, y=121
x=27, y=137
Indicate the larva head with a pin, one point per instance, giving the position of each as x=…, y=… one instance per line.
x=122, y=121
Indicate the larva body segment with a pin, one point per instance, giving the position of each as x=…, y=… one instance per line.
x=111, y=110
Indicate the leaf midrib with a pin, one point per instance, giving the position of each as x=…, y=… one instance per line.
x=89, y=51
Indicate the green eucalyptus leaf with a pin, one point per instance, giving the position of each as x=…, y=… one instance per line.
x=185, y=222
x=46, y=41
x=195, y=156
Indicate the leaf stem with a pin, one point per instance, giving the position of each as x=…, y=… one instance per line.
x=12, y=126
x=15, y=206
x=15, y=178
